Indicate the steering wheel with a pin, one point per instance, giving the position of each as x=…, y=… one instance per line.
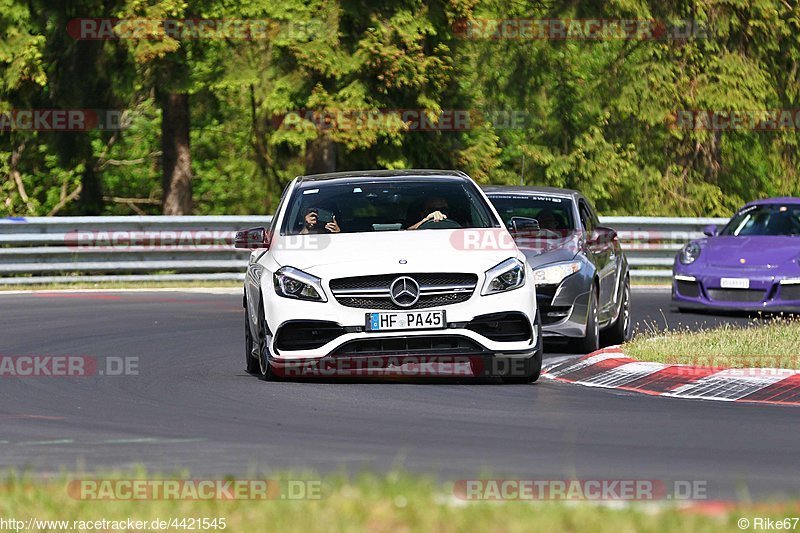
x=442, y=224
x=550, y=233
x=533, y=232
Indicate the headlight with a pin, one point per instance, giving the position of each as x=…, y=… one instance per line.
x=293, y=283
x=555, y=274
x=690, y=253
x=508, y=275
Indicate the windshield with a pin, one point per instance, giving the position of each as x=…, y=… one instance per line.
x=554, y=214
x=385, y=205
x=771, y=219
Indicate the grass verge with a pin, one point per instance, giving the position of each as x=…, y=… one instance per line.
x=774, y=344
x=391, y=503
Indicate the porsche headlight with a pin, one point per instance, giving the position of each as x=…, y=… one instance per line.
x=293, y=283
x=690, y=253
x=508, y=275
x=555, y=274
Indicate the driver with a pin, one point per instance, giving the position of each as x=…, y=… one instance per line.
x=311, y=223
x=547, y=219
x=435, y=208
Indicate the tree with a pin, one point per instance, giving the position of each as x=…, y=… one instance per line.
x=167, y=67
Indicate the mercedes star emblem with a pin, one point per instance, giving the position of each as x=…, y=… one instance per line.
x=404, y=291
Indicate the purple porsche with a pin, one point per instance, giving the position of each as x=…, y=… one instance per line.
x=752, y=264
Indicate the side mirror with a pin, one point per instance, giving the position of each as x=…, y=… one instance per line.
x=602, y=234
x=251, y=238
x=710, y=230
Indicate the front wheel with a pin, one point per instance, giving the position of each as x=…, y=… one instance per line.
x=622, y=329
x=251, y=363
x=591, y=342
x=529, y=372
x=265, y=338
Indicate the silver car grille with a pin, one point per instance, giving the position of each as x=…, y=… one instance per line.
x=374, y=292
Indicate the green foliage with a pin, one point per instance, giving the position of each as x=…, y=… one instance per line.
x=599, y=115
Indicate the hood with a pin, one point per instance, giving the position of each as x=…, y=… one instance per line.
x=750, y=251
x=544, y=251
x=357, y=254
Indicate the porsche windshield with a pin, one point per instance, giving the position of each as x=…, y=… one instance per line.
x=356, y=206
x=770, y=219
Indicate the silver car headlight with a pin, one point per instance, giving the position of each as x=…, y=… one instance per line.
x=507, y=276
x=555, y=274
x=690, y=253
x=290, y=282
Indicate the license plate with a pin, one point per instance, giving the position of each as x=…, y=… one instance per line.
x=406, y=320
x=734, y=283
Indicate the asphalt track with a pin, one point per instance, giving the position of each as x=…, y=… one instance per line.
x=192, y=407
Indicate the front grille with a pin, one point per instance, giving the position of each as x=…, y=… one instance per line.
x=307, y=335
x=545, y=294
x=553, y=314
x=689, y=289
x=737, y=295
x=790, y=292
x=372, y=292
x=418, y=345
x=502, y=327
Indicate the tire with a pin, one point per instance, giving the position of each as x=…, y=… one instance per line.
x=621, y=330
x=591, y=342
x=251, y=363
x=532, y=371
x=265, y=338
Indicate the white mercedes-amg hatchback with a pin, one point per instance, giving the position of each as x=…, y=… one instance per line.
x=369, y=269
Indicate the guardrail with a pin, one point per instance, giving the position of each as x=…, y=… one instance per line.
x=651, y=243
x=161, y=248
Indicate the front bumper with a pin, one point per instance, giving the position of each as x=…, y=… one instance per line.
x=702, y=291
x=565, y=307
x=281, y=312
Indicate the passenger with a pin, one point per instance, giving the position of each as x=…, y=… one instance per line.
x=311, y=223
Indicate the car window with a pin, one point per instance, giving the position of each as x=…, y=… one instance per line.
x=274, y=222
x=553, y=213
x=587, y=220
x=386, y=205
x=770, y=219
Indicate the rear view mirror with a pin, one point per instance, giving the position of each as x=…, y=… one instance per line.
x=252, y=238
x=710, y=230
x=519, y=224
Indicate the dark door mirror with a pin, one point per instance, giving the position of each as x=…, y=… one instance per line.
x=710, y=230
x=251, y=238
x=602, y=235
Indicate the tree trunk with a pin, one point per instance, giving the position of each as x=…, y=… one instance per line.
x=177, y=156
x=320, y=156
